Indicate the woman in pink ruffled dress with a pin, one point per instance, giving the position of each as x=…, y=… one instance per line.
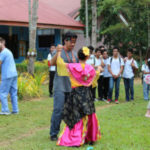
x=79, y=111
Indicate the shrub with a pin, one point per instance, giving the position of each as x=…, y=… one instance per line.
x=39, y=66
x=29, y=86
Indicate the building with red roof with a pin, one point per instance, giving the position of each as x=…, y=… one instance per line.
x=53, y=18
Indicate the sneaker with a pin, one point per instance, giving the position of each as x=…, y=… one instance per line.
x=116, y=101
x=100, y=99
x=108, y=101
x=4, y=113
x=54, y=138
x=51, y=95
x=95, y=99
x=104, y=99
x=147, y=115
x=14, y=113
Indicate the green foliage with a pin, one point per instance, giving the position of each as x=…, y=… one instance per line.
x=82, y=14
x=29, y=86
x=113, y=30
x=39, y=66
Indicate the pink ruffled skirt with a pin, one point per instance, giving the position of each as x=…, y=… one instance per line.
x=86, y=130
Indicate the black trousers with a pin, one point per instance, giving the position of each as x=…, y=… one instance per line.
x=51, y=79
x=105, y=87
x=93, y=91
x=100, y=87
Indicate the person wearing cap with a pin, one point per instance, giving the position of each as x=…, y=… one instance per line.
x=62, y=85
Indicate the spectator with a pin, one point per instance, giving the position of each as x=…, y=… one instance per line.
x=8, y=80
x=146, y=71
x=106, y=75
x=148, y=111
x=52, y=70
x=90, y=61
x=115, y=67
x=130, y=67
x=102, y=48
x=146, y=91
x=98, y=61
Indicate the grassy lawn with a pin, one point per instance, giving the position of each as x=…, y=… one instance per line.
x=123, y=126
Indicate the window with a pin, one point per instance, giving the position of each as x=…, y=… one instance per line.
x=46, y=37
x=46, y=40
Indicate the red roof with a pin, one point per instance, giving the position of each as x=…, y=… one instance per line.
x=65, y=6
x=15, y=12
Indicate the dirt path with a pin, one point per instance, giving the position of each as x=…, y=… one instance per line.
x=28, y=134
x=105, y=106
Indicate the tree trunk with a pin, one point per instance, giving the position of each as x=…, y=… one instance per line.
x=30, y=22
x=148, y=16
x=33, y=17
x=94, y=23
x=87, y=22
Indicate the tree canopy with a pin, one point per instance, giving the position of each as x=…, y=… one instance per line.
x=113, y=30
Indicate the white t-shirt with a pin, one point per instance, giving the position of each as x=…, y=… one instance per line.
x=90, y=61
x=51, y=68
x=145, y=68
x=106, y=72
x=115, y=65
x=97, y=62
x=128, y=70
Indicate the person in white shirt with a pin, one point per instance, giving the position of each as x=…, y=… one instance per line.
x=130, y=66
x=146, y=86
x=106, y=75
x=98, y=61
x=115, y=68
x=146, y=71
x=90, y=61
x=52, y=69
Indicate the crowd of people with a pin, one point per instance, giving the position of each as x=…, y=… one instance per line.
x=74, y=78
x=73, y=86
x=114, y=67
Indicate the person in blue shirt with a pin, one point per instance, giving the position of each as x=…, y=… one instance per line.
x=8, y=80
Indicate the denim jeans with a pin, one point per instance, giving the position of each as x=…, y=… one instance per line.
x=146, y=88
x=113, y=81
x=9, y=86
x=59, y=99
x=129, y=88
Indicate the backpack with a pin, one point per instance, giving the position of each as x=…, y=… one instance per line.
x=111, y=58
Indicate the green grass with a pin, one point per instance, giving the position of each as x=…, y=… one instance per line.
x=123, y=126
